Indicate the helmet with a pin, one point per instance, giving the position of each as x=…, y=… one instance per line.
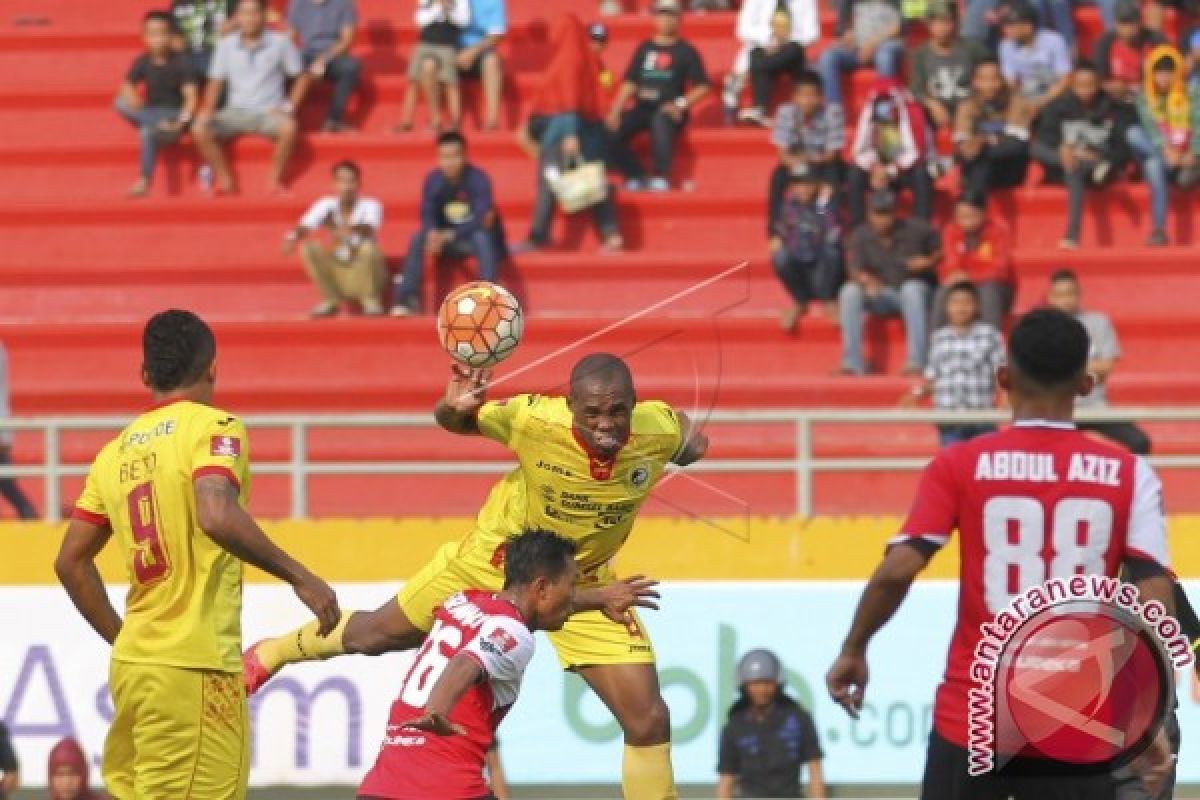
x=759, y=665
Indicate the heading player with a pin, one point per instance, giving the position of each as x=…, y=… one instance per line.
x=172, y=487
x=586, y=463
x=1118, y=511
x=468, y=673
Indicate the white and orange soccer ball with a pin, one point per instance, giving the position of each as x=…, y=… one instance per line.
x=480, y=324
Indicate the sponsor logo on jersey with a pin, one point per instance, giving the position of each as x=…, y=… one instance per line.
x=498, y=642
x=226, y=446
x=639, y=476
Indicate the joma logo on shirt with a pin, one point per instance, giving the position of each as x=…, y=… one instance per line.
x=226, y=446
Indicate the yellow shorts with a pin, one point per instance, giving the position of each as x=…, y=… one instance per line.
x=588, y=639
x=177, y=733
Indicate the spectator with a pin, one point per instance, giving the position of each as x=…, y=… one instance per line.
x=978, y=249
x=773, y=35
x=665, y=79
x=806, y=133
x=255, y=64
x=350, y=267
x=890, y=265
x=961, y=371
x=985, y=17
x=67, y=773
x=477, y=57
x=769, y=738
x=1121, y=52
x=1166, y=139
x=9, y=487
x=1035, y=61
x=598, y=38
x=804, y=247
x=991, y=134
x=458, y=219
x=325, y=29
x=568, y=112
x=1082, y=135
x=1066, y=296
x=170, y=95
x=890, y=150
x=198, y=26
x=868, y=33
x=433, y=66
x=940, y=77
x=10, y=772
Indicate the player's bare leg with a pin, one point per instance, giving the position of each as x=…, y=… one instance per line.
x=370, y=633
x=632, y=694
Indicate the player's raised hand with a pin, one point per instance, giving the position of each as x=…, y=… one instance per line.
x=637, y=591
x=320, y=599
x=847, y=682
x=436, y=723
x=467, y=389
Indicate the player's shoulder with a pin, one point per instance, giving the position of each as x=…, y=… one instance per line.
x=654, y=416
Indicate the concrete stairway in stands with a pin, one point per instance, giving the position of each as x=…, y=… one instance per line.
x=82, y=266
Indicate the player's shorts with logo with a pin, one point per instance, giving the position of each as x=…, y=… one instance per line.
x=176, y=733
x=588, y=639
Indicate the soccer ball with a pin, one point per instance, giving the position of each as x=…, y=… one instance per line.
x=480, y=324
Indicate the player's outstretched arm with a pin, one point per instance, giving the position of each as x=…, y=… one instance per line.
x=847, y=678
x=465, y=395
x=617, y=599
x=76, y=570
x=222, y=517
x=460, y=674
x=694, y=442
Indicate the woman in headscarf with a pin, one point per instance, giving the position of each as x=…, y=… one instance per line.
x=566, y=127
x=67, y=773
x=1167, y=140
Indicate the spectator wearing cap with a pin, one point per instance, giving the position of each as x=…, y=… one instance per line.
x=1166, y=138
x=991, y=133
x=804, y=246
x=432, y=67
x=478, y=58
x=769, y=738
x=891, y=149
x=960, y=373
x=868, y=34
x=940, y=70
x=350, y=266
x=891, y=266
x=1035, y=61
x=665, y=79
x=773, y=37
x=978, y=249
x=806, y=132
x=1082, y=137
x=1120, y=53
x=325, y=31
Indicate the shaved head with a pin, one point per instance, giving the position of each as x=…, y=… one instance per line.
x=603, y=369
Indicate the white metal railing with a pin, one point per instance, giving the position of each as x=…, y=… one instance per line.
x=804, y=464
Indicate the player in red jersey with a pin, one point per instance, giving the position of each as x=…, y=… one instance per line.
x=467, y=674
x=1036, y=501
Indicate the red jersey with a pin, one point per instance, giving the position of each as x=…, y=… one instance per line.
x=414, y=765
x=1036, y=501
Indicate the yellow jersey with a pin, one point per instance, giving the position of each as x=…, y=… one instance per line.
x=559, y=485
x=184, y=606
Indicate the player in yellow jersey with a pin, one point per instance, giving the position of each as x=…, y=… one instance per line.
x=171, y=488
x=586, y=463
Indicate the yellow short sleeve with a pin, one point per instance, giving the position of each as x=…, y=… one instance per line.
x=654, y=417
x=502, y=420
x=222, y=448
x=90, y=505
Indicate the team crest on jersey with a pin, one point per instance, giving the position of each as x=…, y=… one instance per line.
x=226, y=446
x=639, y=476
x=499, y=642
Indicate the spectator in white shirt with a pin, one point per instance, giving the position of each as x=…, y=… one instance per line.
x=773, y=37
x=350, y=267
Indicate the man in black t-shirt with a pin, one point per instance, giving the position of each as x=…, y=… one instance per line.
x=665, y=78
x=163, y=107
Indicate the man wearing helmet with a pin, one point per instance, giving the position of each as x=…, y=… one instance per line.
x=769, y=737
